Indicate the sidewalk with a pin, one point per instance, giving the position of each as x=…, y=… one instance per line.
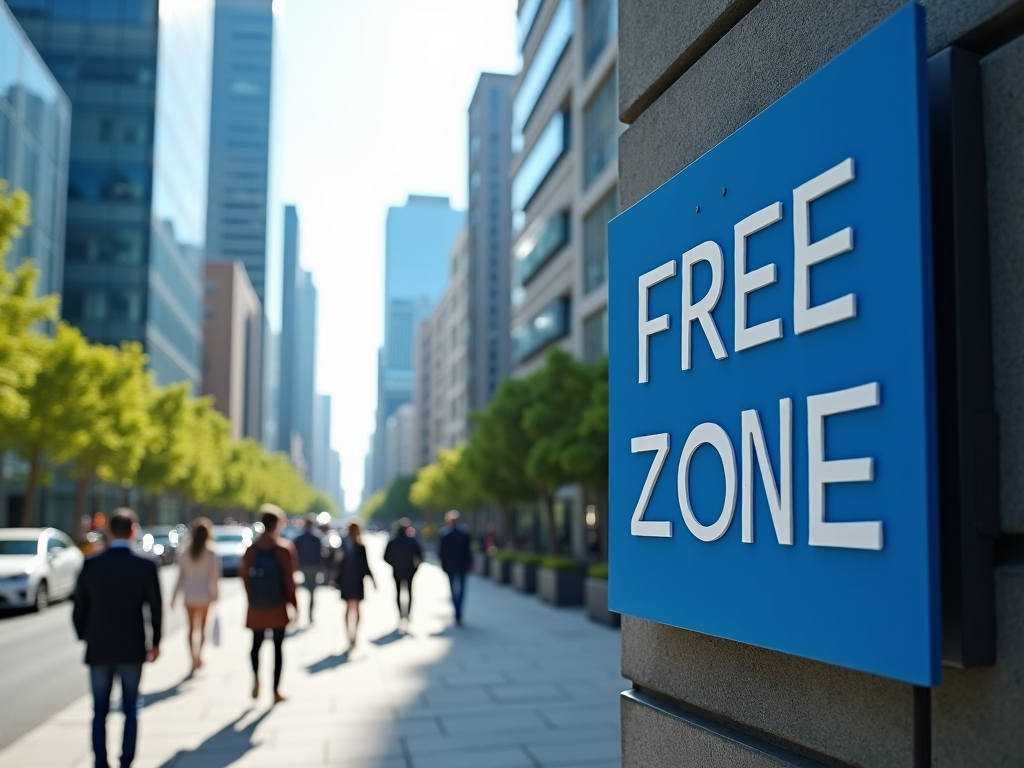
x=521, y=684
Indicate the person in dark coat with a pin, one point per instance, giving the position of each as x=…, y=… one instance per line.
x=404, y=555
x=456, y=560
x=268, y=572
x=111, y=591
x=310, y=546
x=353, y=568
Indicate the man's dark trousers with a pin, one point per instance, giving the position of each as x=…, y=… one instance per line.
x=458, y=585
x=108, y=614
x=102, y=676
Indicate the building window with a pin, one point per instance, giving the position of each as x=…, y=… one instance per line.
x=600, y=24
x=542, y=67
x=547, y=327
x=535, y=251
x=595, y=336
x=601, y=130
x=527, y=16
x=552, y=144
x=595, y=241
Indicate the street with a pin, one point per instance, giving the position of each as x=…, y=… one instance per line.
x=41, y=668
x=521, y=684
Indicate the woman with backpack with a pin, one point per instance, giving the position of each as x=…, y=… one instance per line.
x=352, y=569
x=268, y=569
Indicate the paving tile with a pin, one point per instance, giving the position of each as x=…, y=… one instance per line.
x=489, y=758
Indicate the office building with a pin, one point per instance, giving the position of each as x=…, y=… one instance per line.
x=320, y=474
x=564, y=190
x=243, y=220
x=305, y=370
x=441, y=401
x=35, y=124
x=289, y=317
x=232, y=328
x=417, y=238
x=564, y=177
x=489, y=231
x=334, y=480
x=139, y=85
x=399, y=444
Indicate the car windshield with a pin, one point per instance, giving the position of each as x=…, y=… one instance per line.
x=19, y=547
x=236, y=537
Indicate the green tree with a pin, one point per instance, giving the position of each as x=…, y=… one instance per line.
x=396, y=503
x=368, y=509
x=167, y=458
x=586, y=458
x=60, y=402
x=118, y=422
x=447, y=484
x=560, y=392
x=498, y=450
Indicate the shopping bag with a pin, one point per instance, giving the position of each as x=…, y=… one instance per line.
x=215, y=632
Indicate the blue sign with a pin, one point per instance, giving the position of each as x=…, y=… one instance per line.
x=773, y=418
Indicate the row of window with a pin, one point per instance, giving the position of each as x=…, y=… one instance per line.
x=115, y=11
x=556, y=41
x=550, y=147
x=546, y=327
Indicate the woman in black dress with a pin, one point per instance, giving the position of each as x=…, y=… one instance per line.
x=352, y=569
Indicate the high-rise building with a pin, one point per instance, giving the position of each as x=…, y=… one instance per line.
x=289, y=318
x=564, y=180
x=232, y=368
x=243, y=214
x=320, y=475
x=418, y=236
x=489, y=230
x=334, y=480
x=139, y=85
x=305, y=370
x=441, y=401
x=35, y=124
x=399, y=459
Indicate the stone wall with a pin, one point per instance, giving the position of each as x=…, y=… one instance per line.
x=691, y=73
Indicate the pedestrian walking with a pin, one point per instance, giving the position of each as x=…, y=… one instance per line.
x=310, y=547
x=353, y=568
x=112, y=589
x=404, y=554
x=198, y=573
x=456, y=560
x=268, y=571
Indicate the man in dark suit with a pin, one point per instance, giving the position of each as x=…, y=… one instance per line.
x=112, y=589
x=456, y=560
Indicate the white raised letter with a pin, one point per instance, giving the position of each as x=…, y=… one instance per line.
x=660, y=323
x=806, y=254
x=858, y=535
x=638, y=526
x=713, y=435
x=780, y=504
x=747, y=282
x=710, y=252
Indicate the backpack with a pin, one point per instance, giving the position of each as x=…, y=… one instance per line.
x=266, y=582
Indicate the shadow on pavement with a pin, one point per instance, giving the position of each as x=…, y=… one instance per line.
x=329, y=662
x=391, y=637
x=222, y=748
x=149, y=699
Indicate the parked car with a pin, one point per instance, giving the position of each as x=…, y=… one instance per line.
x=159, y=541
x=230, y=543
x=37, y=566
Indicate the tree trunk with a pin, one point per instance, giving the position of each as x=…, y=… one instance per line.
x=81, y=496
x=549, y=509
x=31, y=487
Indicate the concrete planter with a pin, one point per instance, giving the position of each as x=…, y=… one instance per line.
x=560, y=587
x=524, y=577
x=597, y=603
x=501, y=570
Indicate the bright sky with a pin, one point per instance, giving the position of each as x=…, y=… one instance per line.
x=376, y=100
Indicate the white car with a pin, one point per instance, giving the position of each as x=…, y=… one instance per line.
x=37, y=566
x=230, y=543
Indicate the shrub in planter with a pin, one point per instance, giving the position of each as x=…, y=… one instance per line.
x=501, y=565
x=560, y=581
x=524, y=571
x=596, y=595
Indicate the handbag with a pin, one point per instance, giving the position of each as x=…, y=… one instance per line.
x=215, y=632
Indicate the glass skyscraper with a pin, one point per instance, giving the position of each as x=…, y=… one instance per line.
x=35, y=118
x=137, y=73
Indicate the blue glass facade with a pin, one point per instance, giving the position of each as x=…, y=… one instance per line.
x=536, y=251
x=549, y=148
x=556, y=40
x=35, y=119
x=545, y=328
x=138, y=75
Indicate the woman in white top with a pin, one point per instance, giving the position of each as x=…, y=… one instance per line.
x=198, y=571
